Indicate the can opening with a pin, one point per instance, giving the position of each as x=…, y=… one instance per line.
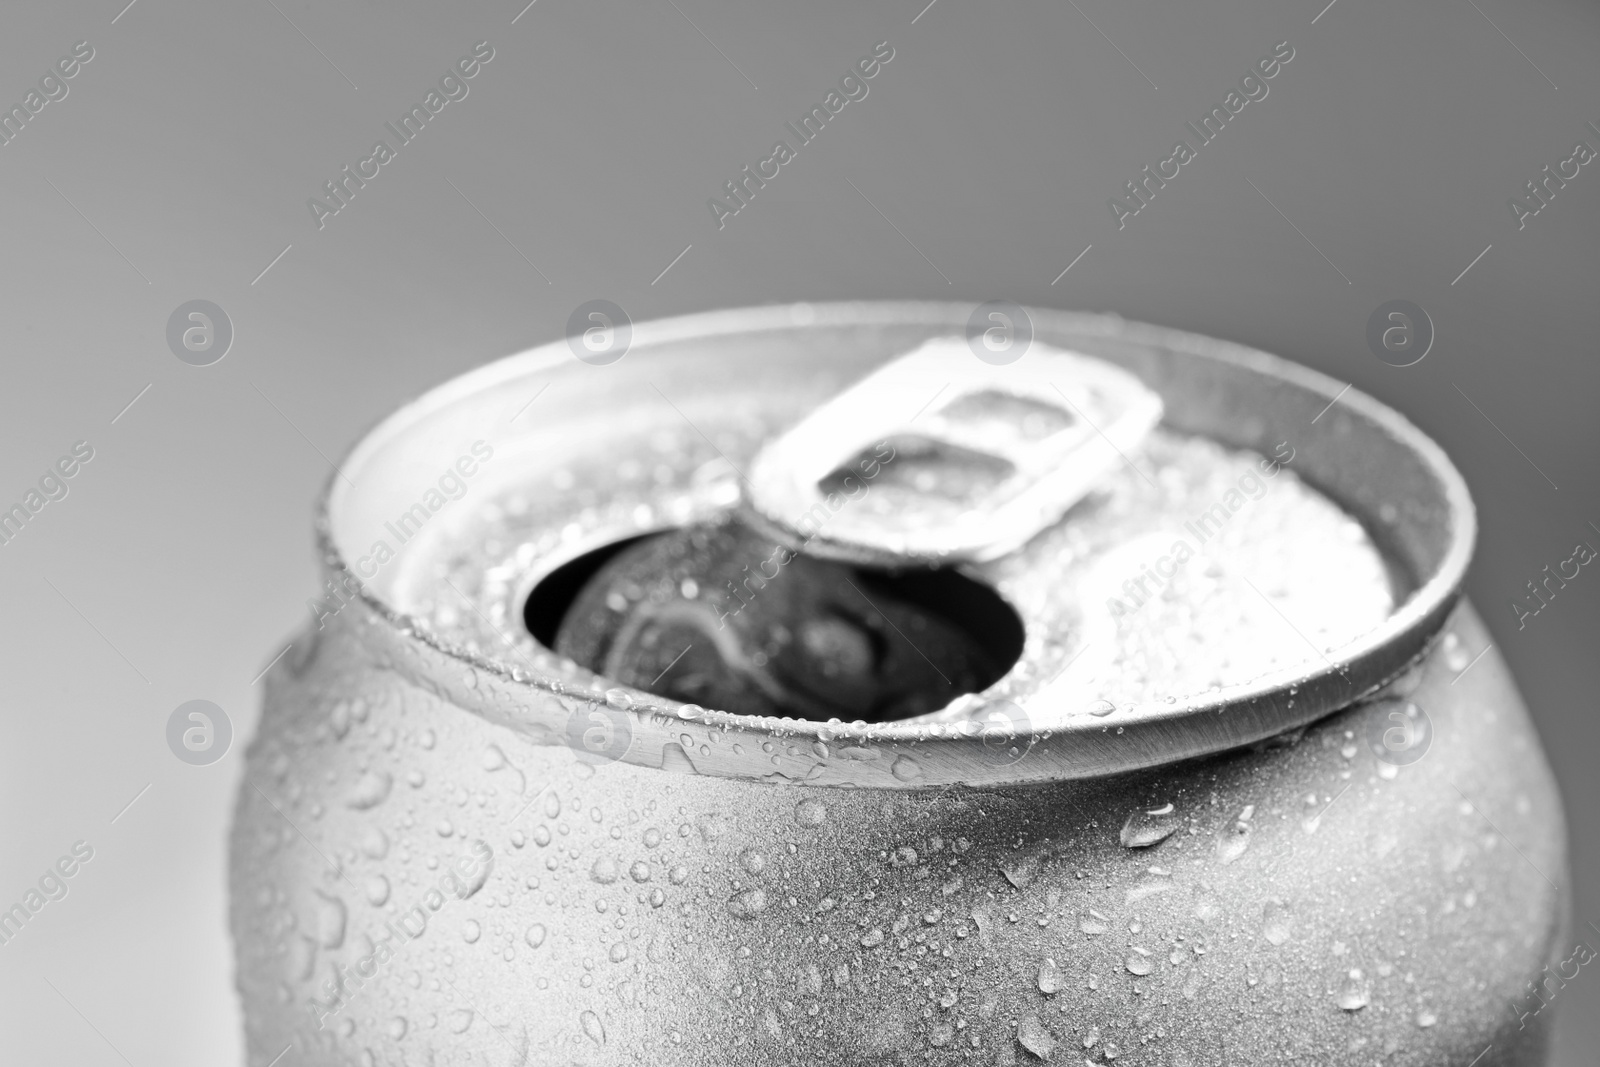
x=549, y=600
x=717, y=615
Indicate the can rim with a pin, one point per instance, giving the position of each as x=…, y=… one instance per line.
x=877, y=754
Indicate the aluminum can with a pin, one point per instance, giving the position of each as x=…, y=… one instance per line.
x=447, y=853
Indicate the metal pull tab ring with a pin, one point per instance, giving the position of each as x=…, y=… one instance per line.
x=939, y=457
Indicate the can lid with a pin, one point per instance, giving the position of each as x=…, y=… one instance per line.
x=968, y=459
x=1363, y=455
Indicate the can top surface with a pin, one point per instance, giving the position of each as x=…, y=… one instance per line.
x=1364, y=456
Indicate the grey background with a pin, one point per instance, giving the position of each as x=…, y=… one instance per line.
x=183, y=156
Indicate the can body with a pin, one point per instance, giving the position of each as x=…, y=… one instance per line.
x=423, y=874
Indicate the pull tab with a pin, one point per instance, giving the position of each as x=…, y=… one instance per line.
x=940, y=457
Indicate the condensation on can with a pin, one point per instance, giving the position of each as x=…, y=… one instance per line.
x=438, y=857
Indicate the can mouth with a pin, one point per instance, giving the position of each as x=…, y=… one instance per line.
x=551, y=597
x=798, y=636
x=1364, y=456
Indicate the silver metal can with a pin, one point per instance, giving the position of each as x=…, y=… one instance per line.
x=455, y=846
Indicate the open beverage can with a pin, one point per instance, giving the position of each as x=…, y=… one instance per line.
x=816, y=686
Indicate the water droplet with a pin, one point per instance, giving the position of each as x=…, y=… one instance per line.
x=872, y=938
x=676, y=760
x=747, y=903
x=810, y=812
x=397, y=1028
x=1355, y=992
x=375, y=843
x=1101, y=707
x=753, y=860
x=1049, y=976
x=657, y=898
x=1456, y=656
x=458, y=1020
x=1139, y=963
x=483, y=862
x=377, y=890
x=1032, y=1036
x=1232, y=841
x=1155, y=880
x=300, y=958
x=592, y=1027
x=331, y=914
x=652, y=837
x=604, y=870
x=1093, y=923
x=678, y=875
x=492, y=758
x=1277, y=922
x=1021, y=871
x=618, y=953
x=471, y=931
x=1146, y=827
x=640, y=871
x=619, y=699
x=535, y=935
x=370, y=790
x=906, y=769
